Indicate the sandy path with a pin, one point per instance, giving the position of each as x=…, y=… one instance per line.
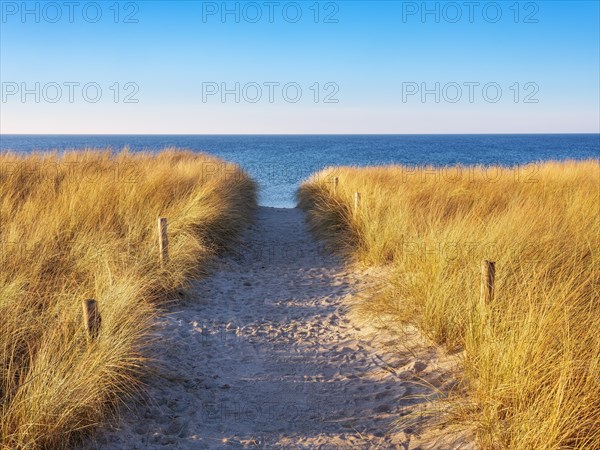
x=267, y=357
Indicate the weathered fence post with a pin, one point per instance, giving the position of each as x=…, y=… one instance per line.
x=91, y=319
x=163, y=241
x=336, y=181
x=356, y=200
x=488, y=277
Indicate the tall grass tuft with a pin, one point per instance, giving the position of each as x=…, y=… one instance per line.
x=83, y=225
x=532, y=355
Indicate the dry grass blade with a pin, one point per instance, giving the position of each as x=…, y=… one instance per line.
x=82, y=225
x=532, y=353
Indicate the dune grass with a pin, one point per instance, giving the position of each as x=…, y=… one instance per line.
x=84, y=225
x=532, y=356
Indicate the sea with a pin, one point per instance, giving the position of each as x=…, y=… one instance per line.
x=279, y=163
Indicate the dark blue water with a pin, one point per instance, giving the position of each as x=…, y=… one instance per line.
x=279, y=163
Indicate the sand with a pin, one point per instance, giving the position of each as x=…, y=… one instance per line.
x=265, y=354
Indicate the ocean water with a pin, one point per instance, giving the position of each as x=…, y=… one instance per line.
x=280, y=162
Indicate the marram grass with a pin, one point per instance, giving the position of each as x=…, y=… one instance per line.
x=84, y=225
x=531, y=356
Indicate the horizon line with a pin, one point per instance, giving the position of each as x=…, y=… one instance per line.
x=299, y=134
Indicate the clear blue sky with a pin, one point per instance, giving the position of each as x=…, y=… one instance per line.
x=373, y=57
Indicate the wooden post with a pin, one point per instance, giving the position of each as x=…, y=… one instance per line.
x=336, y=181
x=91, y=318
x=356, y=201
x=488, y=276
x=163, y=241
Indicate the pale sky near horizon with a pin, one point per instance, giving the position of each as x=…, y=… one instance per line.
x=192, y=67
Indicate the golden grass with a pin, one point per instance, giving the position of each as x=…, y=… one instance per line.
x=84, y=225
x=532, y=356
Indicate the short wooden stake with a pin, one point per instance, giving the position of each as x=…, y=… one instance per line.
x=336, y=182
x=163, y=241
x=91, y=319
x=356, y=200
x=488, y=277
